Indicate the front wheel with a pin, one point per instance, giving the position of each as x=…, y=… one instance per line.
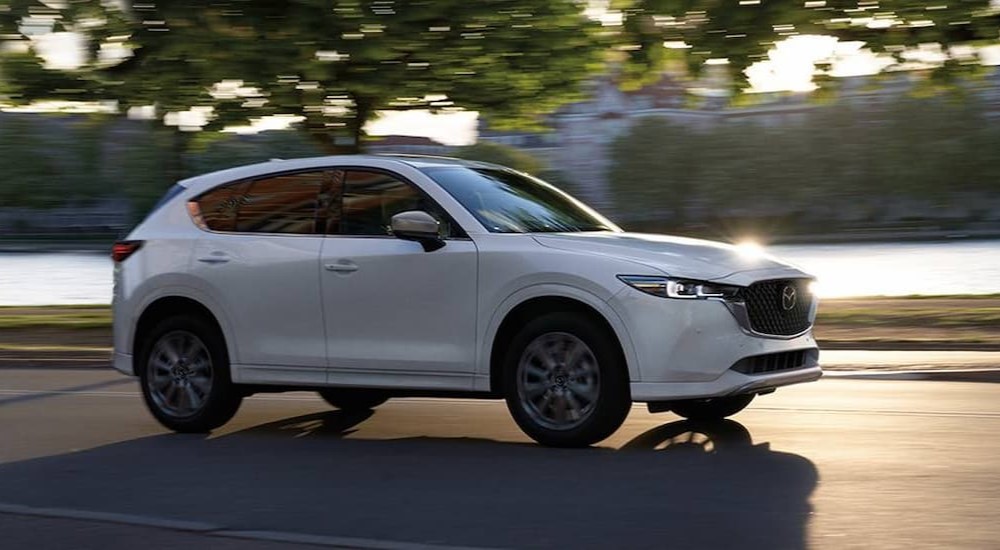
x=565, y=381
x=715, y=408
x=184, y=374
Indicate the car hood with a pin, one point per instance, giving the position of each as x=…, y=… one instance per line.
x=674, y=256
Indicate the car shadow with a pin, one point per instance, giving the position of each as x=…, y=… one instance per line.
x=679, y=485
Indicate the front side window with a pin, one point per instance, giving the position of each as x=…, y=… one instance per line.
x=505, y=201
x=371, y=199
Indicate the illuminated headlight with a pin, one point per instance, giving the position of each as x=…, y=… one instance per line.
x=666, y=287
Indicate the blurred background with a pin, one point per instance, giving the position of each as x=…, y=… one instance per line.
x=858, y=139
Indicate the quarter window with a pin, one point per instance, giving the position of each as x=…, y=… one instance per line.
x=217, y=208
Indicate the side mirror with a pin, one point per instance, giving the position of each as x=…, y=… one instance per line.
x=417, y=225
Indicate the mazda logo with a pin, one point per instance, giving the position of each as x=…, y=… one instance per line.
x=789, y=296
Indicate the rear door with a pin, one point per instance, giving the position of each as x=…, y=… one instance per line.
x=261, y=260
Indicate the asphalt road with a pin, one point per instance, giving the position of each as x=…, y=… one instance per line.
x=834, y=464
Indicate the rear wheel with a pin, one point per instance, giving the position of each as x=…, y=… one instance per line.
x=565, y=382
x=353, y=399
x=184, y=374
x=715, y=408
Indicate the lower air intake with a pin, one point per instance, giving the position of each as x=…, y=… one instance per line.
x=777, y=362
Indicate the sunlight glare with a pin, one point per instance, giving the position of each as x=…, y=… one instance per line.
x=750, y=249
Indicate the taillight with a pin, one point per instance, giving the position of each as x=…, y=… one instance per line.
x=123, y=249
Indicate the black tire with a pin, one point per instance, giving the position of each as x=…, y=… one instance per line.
x=221, y=400
x=715, y=408
x=601, y=416
x=353, y=399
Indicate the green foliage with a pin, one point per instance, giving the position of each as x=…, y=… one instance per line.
x=141, y=165
x=833, y=162
x=223, y=151
x=143, y=160
x=971, y=317
x=503, y=155
x=512, y=59
x=334, y=63
x=518, y=159
x=744, y=32
x=25, y=169
x=55, y=318
x=50, y=161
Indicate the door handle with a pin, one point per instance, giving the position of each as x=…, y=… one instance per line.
x=342, y=267
x=214, y=258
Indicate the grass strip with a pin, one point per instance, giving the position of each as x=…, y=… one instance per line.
x=952, y=317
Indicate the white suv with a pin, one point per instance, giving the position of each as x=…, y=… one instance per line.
x=371, y=277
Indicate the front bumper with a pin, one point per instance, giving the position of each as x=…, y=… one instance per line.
x=730, y=383
x=687, y=349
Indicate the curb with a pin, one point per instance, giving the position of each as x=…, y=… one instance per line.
x=7, y=363
x=940, y=375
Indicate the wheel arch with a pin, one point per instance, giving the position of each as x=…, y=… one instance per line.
x=552, y=300
x=168, y=306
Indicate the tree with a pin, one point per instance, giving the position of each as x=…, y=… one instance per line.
x=127, y=58
x=839, y=163
x=743, y=32
x=503, y=155
x=334, y=64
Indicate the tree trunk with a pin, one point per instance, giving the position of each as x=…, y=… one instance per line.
x=362, y=112
x=325, y=142
x=326, y=139
x=179, y=142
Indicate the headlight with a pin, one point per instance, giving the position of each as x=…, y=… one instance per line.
x=666, y=287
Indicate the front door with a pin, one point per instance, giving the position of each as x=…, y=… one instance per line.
x=395, y=314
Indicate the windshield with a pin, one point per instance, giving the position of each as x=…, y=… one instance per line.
x=505, y=201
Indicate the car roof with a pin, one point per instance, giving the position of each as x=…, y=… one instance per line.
x=253, y=170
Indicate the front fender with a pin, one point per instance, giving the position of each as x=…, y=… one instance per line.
x=540, y=290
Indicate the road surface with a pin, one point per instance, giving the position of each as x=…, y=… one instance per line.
x=836, y=464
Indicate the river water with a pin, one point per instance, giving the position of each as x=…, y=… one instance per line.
x=843, y=270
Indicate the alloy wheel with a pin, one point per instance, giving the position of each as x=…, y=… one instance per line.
x=558, y=381
x=180, y=374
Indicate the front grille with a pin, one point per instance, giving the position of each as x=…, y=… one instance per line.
x=771, y=311
x=775, y=362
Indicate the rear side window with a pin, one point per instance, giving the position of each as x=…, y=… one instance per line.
x=286, y=204
x=282, y=204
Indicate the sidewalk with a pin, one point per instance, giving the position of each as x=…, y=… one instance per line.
x=941, y=366
x=882, y=360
